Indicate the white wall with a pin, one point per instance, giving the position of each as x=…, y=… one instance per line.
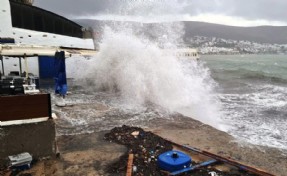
x=12, y=64
x=5, y=19
x=23, y=36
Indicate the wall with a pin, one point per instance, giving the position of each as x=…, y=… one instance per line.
x=5, y=16
x=37, y=138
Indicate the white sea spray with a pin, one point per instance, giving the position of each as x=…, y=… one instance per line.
x=143, y=72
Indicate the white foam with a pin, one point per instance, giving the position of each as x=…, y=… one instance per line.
x=254, y=117
x=136, y=68
x=142, y=73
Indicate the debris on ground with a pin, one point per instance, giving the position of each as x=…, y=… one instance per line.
x=146, y=147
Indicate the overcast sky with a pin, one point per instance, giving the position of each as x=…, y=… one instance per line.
x=230, y=12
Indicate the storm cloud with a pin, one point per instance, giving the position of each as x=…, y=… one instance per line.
x=274, y=10
x=268, y=10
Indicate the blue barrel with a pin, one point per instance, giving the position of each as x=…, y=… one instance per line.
x=173, y=161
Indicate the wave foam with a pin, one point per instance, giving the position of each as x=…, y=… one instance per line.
x=143, y=73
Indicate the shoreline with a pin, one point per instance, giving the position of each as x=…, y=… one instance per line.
x=90, y=154
x=207, y=138
x=185, y=130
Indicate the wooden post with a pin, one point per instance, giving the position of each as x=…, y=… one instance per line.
x=20, y=65
x=2, y=61
x=130, y=165
x=26, y=67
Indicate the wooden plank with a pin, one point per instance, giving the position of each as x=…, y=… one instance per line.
x=225, y=160
x=21, y=122
x=130, y=165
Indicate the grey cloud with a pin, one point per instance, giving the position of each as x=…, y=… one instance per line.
x=274, y=10
x=70, y=8
x=264, y=9
x=249, y=9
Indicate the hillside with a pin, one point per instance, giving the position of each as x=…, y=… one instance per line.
x=261, y=34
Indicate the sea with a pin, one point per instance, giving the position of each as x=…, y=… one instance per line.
x=247, y=99
x=132, y=81
x=244, y=95
x=253, y=92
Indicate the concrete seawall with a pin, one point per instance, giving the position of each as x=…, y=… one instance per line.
x=36, y=138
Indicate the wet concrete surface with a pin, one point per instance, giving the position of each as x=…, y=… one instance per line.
x=87, y=154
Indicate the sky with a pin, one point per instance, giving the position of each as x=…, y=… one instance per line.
x=228, y=12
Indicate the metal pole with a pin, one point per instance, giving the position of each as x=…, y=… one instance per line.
x=20, y=65
x=1, y=58
x=26, y=65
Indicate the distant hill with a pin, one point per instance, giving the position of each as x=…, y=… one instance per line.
x=261, y=34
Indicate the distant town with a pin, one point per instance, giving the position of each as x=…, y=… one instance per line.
x=213, y=45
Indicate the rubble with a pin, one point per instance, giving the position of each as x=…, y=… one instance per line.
x=146, y=148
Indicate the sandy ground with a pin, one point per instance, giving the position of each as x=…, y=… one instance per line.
x=89, y=154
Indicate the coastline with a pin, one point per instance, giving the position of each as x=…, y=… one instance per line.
x=194, y=133
x=90, y=154
x=180, y=129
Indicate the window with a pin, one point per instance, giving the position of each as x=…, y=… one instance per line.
x=27, y=19
x=16, y=15
x=58, y=27
x=34, y=18
x=38, y=21
x=49, y=24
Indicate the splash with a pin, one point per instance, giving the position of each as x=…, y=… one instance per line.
x=132, y=62
x=143, y=73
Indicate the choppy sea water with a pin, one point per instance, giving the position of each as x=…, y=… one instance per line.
x=253, y=93
x=88, y=112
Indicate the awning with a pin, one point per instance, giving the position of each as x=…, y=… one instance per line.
x=35, y=50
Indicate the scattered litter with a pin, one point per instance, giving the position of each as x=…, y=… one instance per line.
x=143, y=147
x=146, y=149
x=135, y=133
x=213, y=173
x=21, y=161
x=135, y=168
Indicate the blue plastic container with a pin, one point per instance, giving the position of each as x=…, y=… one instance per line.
x=173, y=161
